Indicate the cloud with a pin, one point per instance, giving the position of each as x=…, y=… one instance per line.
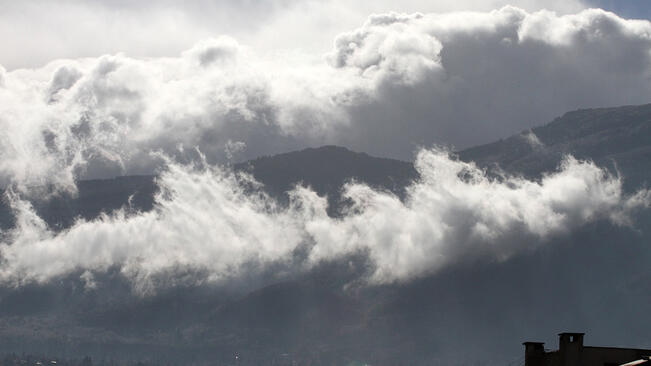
x=407, y=80
x=456, y=213
x=397, y=82
x=211, y=51
x=204, y=220
x=39, y=31
x=208, y=221
x=467, y=78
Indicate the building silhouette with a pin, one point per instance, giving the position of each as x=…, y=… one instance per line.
x=572, y=352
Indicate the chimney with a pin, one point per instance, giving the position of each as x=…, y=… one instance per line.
x=534, y=353
x=570, y=348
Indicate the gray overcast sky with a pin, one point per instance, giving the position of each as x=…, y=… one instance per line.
x=37, y=31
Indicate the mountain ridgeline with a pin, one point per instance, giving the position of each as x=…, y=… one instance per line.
x=618, y=139
x=325, y=170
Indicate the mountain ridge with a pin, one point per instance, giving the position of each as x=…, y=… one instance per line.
x=617, y=138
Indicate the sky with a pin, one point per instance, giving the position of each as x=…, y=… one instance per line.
x=637, y=9
x=38, y=31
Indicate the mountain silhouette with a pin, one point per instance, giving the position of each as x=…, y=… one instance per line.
x=615, y=138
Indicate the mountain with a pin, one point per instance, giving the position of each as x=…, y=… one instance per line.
x=93, y=198
x=477, y=311
x=617, y=138
x=324, y=169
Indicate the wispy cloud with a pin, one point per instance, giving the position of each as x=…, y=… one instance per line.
x=206, y=221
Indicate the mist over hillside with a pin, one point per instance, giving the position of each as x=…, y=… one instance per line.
x=474, y=307
x=616, y=139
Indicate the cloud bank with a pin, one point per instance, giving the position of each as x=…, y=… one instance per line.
x=398, y=82
x=406, y=80
x=206, y=222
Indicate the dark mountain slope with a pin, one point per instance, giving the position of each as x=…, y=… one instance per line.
x=326, y=170
x=618, y=138
x=94, y=197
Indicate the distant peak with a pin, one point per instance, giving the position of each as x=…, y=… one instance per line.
x=329, y=148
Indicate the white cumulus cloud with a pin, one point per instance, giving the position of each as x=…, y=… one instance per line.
x=406, y=80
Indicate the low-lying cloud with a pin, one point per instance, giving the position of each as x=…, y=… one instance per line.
x=207, y=221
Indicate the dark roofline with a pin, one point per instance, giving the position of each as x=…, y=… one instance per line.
x=623, y=348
